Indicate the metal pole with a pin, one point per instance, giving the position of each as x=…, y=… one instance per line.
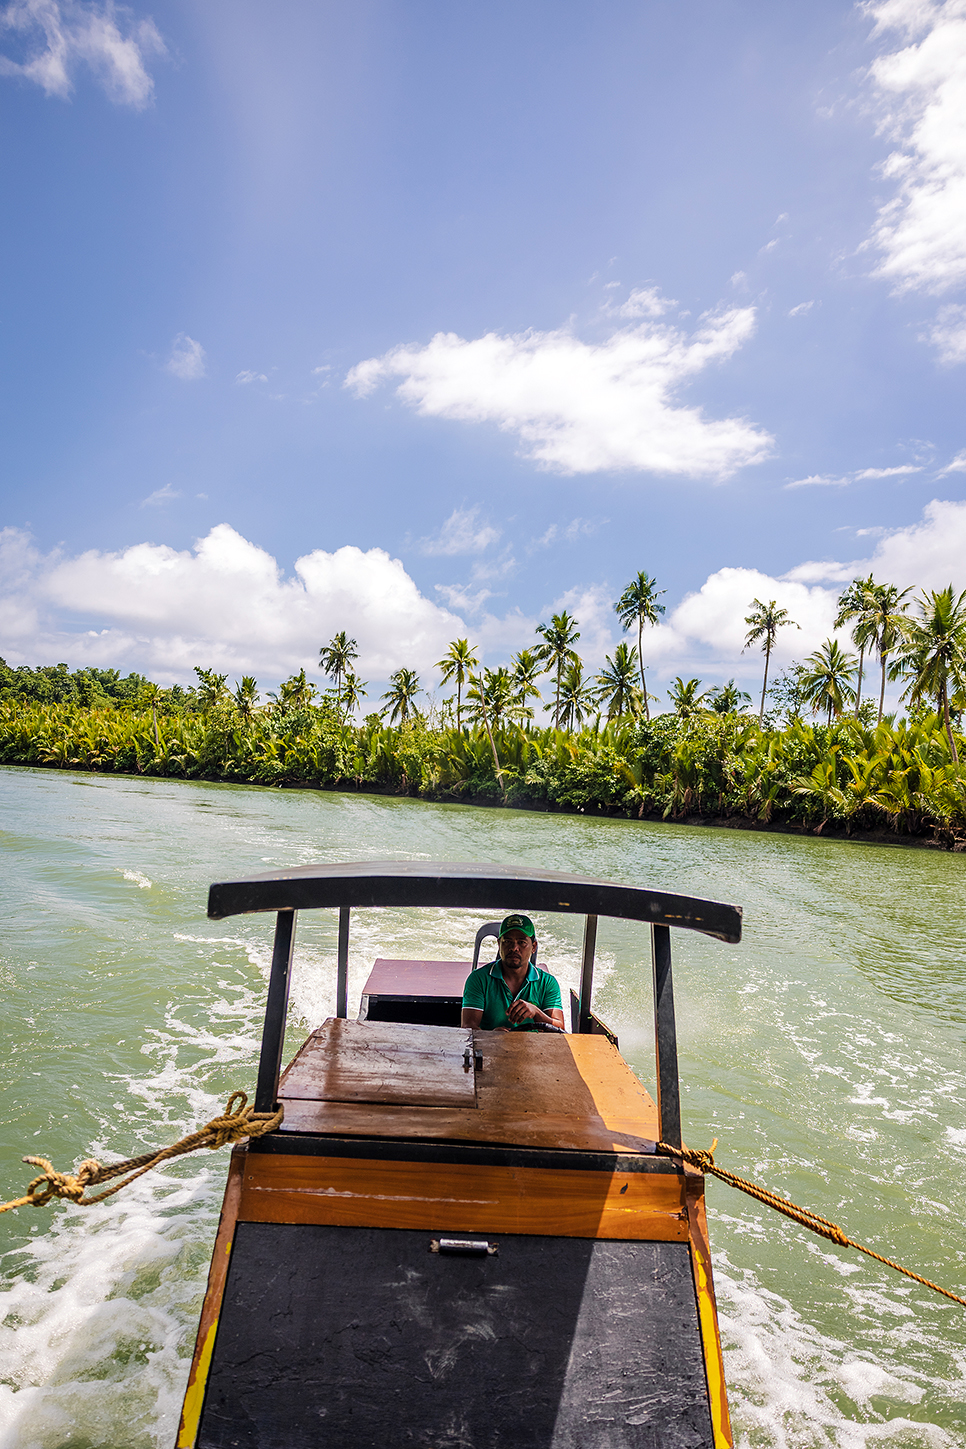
x=587, y=973
x=665, y=1039
x=342, y=977
x=276, y=1010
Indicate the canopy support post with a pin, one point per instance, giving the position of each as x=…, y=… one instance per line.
x=342, y=977
x=665, y=1039
x=587, y=974
x=276, y=1011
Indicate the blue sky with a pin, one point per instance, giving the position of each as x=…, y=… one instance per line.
x=471, y=313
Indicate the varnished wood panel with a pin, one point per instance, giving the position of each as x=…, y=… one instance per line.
x=453, y=1124
x=464, y=1198
x=534, y=1090
x=362, y=1061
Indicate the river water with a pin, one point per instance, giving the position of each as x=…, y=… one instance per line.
x=825, y=1052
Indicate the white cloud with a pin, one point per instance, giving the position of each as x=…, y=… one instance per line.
x=66, y=33
x=818, y=480
x=224, y=604
x=801, y=309
x=645, y=302
x=921, y=231
x=187, y=360
x=898, y=472
x=461, y=533
x=948, y=333
x=581, y=407
x=242, y=378
x=957, y=465
x=167, y=494
x=859, y=475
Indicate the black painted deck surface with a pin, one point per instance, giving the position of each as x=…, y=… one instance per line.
x=352, y=1338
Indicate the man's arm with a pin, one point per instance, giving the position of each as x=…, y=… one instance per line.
x=470, y=1016
x=522, y=1011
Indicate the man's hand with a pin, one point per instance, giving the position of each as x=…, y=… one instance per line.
x=522, y=1011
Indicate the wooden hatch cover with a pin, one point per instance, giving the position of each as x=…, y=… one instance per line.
x=354, y=1061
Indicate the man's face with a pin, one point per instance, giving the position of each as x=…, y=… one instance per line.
x=516, y=949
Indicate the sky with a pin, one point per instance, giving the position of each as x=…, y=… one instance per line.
x=426, y=321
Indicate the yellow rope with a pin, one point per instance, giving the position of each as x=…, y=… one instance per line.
x=704, y=1162
x=232, y=1126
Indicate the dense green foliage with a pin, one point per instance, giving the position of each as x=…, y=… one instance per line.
x=898, y=777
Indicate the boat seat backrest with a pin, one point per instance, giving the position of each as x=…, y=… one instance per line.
x=492, y=928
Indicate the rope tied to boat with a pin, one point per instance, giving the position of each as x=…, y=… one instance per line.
x=704, y=1162
x=234, y=1124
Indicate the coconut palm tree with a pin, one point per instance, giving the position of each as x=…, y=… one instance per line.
x=934, y=653
x=336, y=659
x=405, y=687
x=617, y=687
x=493, y=699
x=639, y=602
x=152, y=694
x=684, y=697
x=856, y=606
x=526, y=668
x=353, y=692
x=889, y=625
x=765, y=621
x=828, y=681
x=557, y=649
x=457, y=664
x=295, y=692
x=211, y=688
x=246, y=697
x=727, y=698
x=577, y=697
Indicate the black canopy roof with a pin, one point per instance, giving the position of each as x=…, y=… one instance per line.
x=475, y=887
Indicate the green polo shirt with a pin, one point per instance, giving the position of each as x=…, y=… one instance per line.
x=485, y=990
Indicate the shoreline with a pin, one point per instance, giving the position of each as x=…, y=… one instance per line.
x=830, y=831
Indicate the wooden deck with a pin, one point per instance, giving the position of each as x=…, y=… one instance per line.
x=534, y=1090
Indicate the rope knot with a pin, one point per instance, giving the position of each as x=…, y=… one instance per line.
x=67, y=1185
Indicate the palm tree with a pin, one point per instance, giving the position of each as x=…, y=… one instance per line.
x=246, y=697
x=727, y=698
x=295, y=693
x=828, y=679
x=765, y=621
x=557, y=649
x=336, y=659
x=526, y=667
x=934, y=653
x=152, y=694
x=685, y=698
x=576, y=697
x=211, y=689
x=889, y=626
x=617, y=682
x=493, y=699
x=458, y=663
x=639, y=601
x=856, y=606
x=353, y=692
x=405, y=687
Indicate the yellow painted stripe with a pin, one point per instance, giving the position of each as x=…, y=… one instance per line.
x=712, y=1354
x=195, y=1396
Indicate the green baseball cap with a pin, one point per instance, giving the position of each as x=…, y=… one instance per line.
x=517, y=923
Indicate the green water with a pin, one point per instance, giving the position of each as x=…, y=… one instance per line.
x=826, y=1053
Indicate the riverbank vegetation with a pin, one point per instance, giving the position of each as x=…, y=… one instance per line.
x=821, y=760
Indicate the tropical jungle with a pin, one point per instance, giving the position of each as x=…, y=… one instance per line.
x=814, y=756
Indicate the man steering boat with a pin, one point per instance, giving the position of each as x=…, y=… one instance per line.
x=512, y=993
